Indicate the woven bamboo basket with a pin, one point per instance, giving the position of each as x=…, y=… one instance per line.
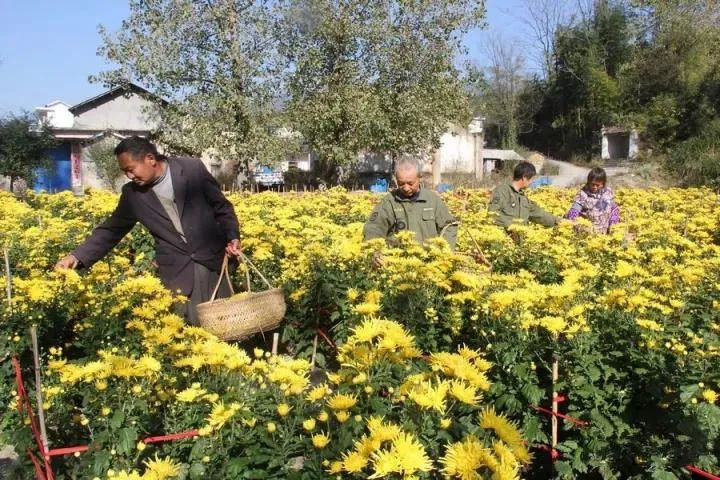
x=237, y=318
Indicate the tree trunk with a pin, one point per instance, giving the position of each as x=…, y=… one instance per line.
x=436, y=169
x=12, y=181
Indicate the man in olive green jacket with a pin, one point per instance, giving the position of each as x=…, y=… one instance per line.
x=509, y=203
x=411, y=208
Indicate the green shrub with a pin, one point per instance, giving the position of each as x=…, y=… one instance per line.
x=697, y=160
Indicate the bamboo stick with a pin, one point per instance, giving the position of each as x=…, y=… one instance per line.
x=314, y=353
x=554, y=403
x=8, y=278
x=38, y=391
x=276, y=340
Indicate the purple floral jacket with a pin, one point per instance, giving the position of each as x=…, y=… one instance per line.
x=600, y=208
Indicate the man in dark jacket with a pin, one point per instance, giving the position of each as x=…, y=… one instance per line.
x=182, y=206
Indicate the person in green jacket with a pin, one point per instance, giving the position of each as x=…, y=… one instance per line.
x=410, y=207
x=509, y=203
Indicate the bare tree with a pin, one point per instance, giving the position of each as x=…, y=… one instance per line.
x=542, y=18
x=506, y=81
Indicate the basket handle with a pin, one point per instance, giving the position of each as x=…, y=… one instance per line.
x=245, y=259
x=223, y=272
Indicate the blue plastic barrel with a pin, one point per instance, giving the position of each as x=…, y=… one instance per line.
x=541, y=182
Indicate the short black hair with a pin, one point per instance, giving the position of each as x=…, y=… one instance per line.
x=597, y=174
x=524, y=170
x=137, y=147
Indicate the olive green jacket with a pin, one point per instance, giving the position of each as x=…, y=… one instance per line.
x=426, y=216
x=509, y=205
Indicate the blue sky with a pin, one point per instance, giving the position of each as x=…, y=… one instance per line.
x=48, y=47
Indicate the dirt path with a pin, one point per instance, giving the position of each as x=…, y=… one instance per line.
x=569, y=174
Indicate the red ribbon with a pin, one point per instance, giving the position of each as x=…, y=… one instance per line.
x=579, y=423
x=24, y=406
x=172, y=436
x=57, y=452
x=702, y=473
x=39, y=473
x=327, y=339
x=157, y=439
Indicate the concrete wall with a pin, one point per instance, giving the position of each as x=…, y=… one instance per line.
x=89, y=173
x=457, y=151
x=120, y=113
x=634, y=147
x=456, y=155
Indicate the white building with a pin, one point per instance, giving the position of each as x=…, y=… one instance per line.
x=132, y=110
x=121, y=111
x=619, y=143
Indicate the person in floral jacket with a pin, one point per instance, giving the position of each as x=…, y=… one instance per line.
x=596, y=202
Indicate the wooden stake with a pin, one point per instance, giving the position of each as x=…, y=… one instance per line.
x=38, y=390
x=314, y=354
x=8, y=288
x=276, y=340
x=8, y=278
x=554, y=403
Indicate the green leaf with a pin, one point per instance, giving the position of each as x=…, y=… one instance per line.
x=197, y=470
x=117, y=419
x=606, y=472
x=664, y=475
x=532, y=428
x=563, y=469
x=101, y=462
x=127, y=440
x=198, y=449
x=600, y=421
x=687, y=393
x=257, y=474
x=568, y=445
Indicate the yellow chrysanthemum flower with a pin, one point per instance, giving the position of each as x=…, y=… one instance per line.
x=190, y=394
x=463, y=459
x=320, y=440
x=283, y=409
x=317, y=393
x=429, y=397
x=464, y=392
x=506, y=431
x=341, y=401
x=406, y=456
x=382, y=431
x=161, y=469
x=710, y=395
x=354, y=462
x=335, y=468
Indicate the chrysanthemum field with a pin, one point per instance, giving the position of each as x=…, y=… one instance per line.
x=431, y=366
